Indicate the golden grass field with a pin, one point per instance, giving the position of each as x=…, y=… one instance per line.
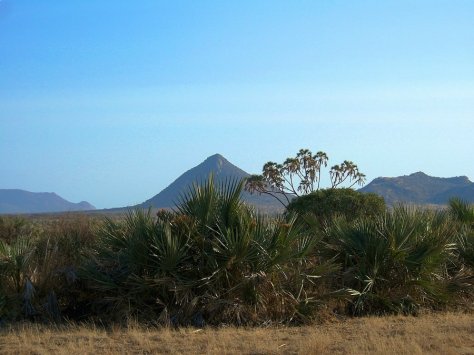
x=447, y=333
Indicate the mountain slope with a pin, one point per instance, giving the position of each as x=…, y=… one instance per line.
x=419, y=188
x=21, y=201
x=222, y=169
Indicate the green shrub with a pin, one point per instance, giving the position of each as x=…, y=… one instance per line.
x=397, y=261
x=38, y=271
x=12, y=227
x=215, y=260
x=212, y=259
x=16, y=268
x=463, y=213
x=328, y=203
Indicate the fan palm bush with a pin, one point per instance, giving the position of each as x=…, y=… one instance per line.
x=16, y=250
x=12, y=227
x=397, y=261
x=57, y=260
x=16, y=288
x=463, y=265
x=463, y=213
x=211, y=259
x=38, y=271
x=132, y=265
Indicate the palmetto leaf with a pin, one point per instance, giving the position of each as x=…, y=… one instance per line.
x=213, y=251
x=394, y=255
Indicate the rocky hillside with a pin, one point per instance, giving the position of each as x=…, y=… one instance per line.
x=419, y=188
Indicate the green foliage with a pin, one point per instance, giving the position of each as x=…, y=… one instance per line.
x=463, y=213
x=213, y=257
x=328, y=203
x=12, y=227
x=397, y=261
x=38, y=267
x=58, y=257
x=301, y=175
x=215, y=260
x=16, y=268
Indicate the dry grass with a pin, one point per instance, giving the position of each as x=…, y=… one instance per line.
x=450, y=333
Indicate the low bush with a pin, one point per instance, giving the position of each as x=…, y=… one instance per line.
x=39, y=271
x=398, y=261
x=213, y=260
x=326, y=204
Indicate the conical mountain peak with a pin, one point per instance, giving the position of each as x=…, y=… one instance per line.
x=221, y=169
x=216, y=164
x=216, y=157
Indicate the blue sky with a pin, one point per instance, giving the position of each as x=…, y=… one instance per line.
x=111, y=101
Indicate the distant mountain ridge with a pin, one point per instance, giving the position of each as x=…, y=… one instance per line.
x=419, y=188
x=221, y=169
x=13, y=201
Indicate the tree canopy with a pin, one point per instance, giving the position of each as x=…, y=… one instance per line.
x=326, y=204
x=301, y=175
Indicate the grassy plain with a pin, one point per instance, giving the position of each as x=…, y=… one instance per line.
x=446, y=333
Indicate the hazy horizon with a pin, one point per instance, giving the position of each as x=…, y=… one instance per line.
x=111, y=103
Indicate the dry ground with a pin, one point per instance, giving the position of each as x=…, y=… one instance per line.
x=449, y=333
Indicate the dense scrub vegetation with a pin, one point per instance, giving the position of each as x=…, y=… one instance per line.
x=215, y=260
x=326, y=204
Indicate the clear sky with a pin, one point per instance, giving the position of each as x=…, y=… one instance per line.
x=110, y=101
